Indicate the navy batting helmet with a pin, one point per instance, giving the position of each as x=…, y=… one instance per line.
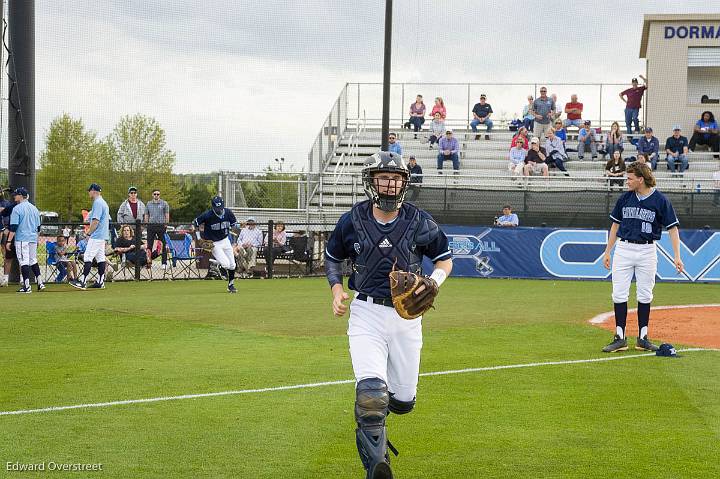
x=387, y=197
x=218, y=205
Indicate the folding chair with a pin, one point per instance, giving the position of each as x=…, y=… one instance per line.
x=51, y=262
x=182, y=256
x=300, y=261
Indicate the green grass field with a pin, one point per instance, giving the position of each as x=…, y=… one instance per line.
x=639, y=417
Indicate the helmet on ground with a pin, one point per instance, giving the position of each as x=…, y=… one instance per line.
x=385, y=162
x=218, y=205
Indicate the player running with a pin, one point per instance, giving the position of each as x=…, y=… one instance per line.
x=24, y=229
x=217, y=222
x=99, y=232
x=384, y=347
x=638, y=219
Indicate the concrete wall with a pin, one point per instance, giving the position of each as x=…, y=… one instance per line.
x=667, y=101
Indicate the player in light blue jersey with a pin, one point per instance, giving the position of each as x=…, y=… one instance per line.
x=24, y=228
x=99, y=232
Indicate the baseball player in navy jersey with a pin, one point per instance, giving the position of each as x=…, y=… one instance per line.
x=638, y=218
x=24, y=229
x=384, y=348
x=98, y=233
x=6, y=207
x=217, y=222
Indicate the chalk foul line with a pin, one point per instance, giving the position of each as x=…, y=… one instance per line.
x=330, y=383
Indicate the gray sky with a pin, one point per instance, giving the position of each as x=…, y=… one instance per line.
x=222, y=76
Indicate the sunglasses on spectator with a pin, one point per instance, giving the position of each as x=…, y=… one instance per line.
x=156, y=194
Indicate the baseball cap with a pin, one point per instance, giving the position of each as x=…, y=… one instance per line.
x=448, y=130
x=676, y=127
x=634, y=80
x=482, y=95
x=131, y=189
x=648, y=130
x=412, y=157
x=587, y=122
x=94, y=187
x=21, y=191
x=667, y=350
x=251, y=219
x=535, y=139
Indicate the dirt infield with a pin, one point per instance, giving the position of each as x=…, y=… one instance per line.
x=696, y=325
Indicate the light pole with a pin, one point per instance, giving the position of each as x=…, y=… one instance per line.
x=386, y=77
x=280, y=162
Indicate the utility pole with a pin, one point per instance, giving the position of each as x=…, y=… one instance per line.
x=386, y=76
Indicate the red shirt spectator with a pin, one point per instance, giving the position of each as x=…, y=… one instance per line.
x=634, y=95
x=522, y=133
x=574, y=105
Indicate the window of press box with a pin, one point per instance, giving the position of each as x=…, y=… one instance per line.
x=703, y=75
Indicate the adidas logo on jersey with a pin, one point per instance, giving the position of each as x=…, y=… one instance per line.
x=385, y=244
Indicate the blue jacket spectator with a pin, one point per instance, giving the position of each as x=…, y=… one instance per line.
x=706, y=132
x=393, y=145
x=650, y=146
x=676, y=148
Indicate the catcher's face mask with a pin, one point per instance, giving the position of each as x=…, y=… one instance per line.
x=385, y=180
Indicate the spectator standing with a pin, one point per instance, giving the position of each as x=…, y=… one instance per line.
x=248, y=243
x=481, y=116
x=508, y=218
x=131, y=209
x=555, y=114
x=535, y=159
x=615, y=170
x=516, y=157
x=522, y=134
x=528, y=118
x=556, y=154
x=437, y=129
x=416, y=179
x=587, y=138
x=705, y=132
x=676, y=148
x=439, y=107
x=157, y=217
x=650, y=146
x=417, y=114
x=614, y=140
x=633, y=101
x=543, y=110
x=393, y=144
x=574, y=110
x=449, y=150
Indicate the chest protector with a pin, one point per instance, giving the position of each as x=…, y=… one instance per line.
x=378, y=247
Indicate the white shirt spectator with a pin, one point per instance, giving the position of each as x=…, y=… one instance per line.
x=254, y=237
x=508, y=220
x=517, y=160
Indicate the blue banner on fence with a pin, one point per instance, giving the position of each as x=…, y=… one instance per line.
x=551, y=253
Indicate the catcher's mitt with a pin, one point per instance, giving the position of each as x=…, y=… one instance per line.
x=205, y=245
x=408, y=302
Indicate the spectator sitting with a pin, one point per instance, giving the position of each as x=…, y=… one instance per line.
x=416, y=178
x=131, y=209
x=279, y=239
x=417, y=114
x=614, y=140
x=393, y=144
x=437, y=129
x=522, y=134
x=574, y=111
x=508, y=218
x=543, y=110
x=587, y=139
x=481, y=115
x=633, y=103
x=449, y=150
x=560, y=131
x=248, y=242
x=535, y=159
x=642, y=158
x=706, y=132
x=527, y=117
x=65, y=267
x=555, y=149
x=676, y=147
x=650, y=146
x=615, y=170
x=516, y=157
x=125, y=245
x=439, y=107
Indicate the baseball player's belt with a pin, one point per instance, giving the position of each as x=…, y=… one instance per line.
x=384, y=301
x=637, y=241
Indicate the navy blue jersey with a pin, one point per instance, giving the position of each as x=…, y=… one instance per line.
x=7, y=207
x=374, y=247
x=643, y=219
x=216, y=227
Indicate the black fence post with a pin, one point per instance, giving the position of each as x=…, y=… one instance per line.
x=270, y=258
x=138, y=249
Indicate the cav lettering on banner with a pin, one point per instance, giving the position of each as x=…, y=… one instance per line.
x=551, y=254
x=703, y=264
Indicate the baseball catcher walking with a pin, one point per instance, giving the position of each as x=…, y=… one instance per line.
x=386, y=240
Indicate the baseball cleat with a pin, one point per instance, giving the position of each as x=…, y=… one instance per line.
x=381, y=470
x=25, y=290
x=41, y=286
x=617, y=344
x=231, y=288
x=644, y=344
x=77, y=284
x=97, y=286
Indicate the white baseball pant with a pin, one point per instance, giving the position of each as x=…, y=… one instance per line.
x=95, y=250
x=384, y=345
x=637, y=259
x=26, y=253
x=223, y=253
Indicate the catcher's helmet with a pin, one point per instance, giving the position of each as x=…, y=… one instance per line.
x=218, y=205
x=385, y=161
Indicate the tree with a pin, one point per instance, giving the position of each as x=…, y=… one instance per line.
x=195, y=198
x=140, y=158
x=72, y=159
